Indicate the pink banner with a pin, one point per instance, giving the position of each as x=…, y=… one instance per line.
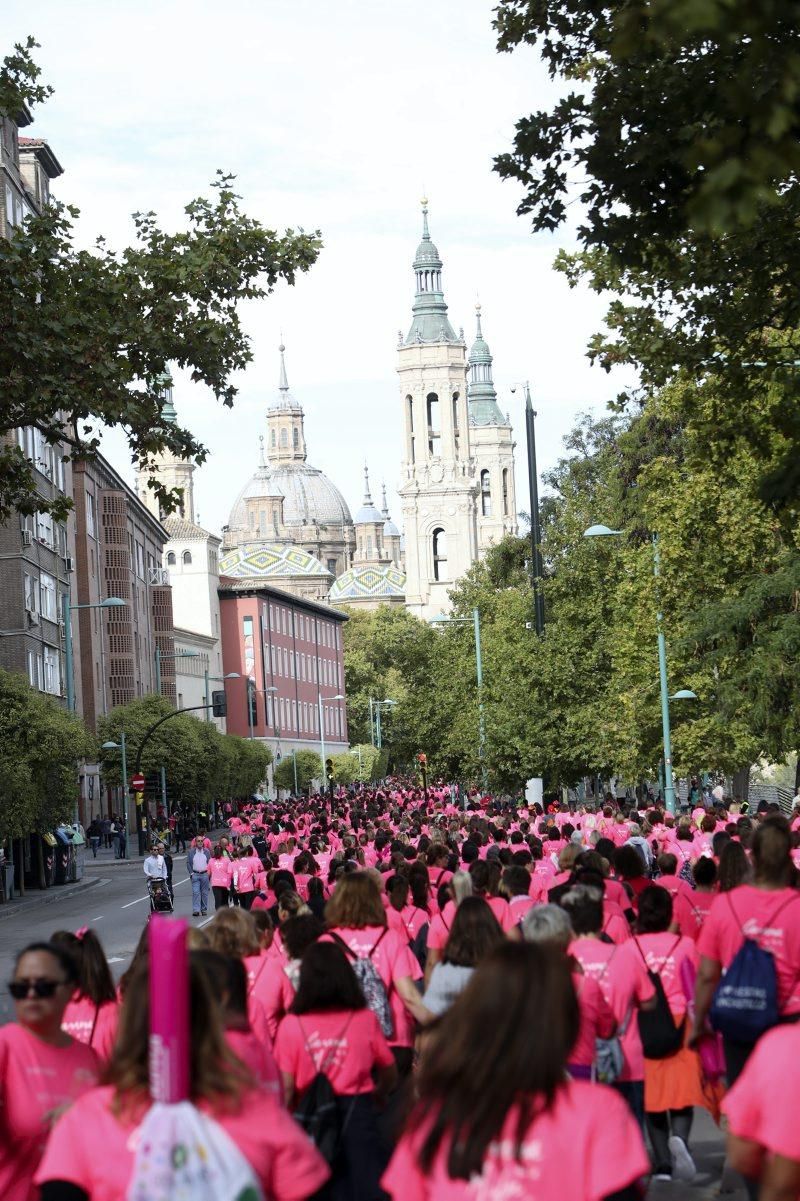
x=169, y=1010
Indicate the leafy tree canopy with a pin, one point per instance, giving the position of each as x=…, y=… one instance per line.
x=89, y=335
x=307, y=765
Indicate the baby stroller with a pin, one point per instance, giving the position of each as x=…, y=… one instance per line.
x=160, y=899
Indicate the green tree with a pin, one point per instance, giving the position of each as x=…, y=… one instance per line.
x=41, y=746
x=308, y=765
x=88, y=335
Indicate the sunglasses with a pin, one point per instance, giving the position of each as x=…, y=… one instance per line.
x=20, y=989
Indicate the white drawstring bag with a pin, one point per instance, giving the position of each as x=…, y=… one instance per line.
x=185, y=1155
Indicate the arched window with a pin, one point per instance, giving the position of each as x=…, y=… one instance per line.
x=456, y=430
x=284, y=438
x=410, y=403
x=505, y=492
x=171, y=560
x=434, y=426
x=486, y=494
x=187, y=557
x=296, y=438
x=273, y=440
x=439, y=554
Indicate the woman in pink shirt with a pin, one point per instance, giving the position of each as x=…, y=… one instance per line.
x=42, y=1069
x=92, y=1013
x=220, y=874
x=329, y=1029
x=93, y=1147
x=245, y=873
x=503, y=1120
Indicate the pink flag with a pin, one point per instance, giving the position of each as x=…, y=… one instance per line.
x=169, y=1010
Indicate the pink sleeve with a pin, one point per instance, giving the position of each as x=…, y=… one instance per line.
x=437, y=934
x=403, y=1180
x=380, y=1048
x=617, y=1157
x=65, y=1155
x=761, y=1104
x=286, y=1047
x=296, y=1168
x=708, y=944
x=405, y=963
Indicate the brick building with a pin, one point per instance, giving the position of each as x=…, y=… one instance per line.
x=291, y=651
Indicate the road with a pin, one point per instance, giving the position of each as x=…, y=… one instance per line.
x=117, y=907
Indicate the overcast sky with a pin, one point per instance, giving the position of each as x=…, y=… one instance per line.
x=337, y=116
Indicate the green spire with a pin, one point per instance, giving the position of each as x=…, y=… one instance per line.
x=481, y=395
x=168, y=410
x=430, y=323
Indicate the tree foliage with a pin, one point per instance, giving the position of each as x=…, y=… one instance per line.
x=40, y=749
x=307, y=765
x=89, y=334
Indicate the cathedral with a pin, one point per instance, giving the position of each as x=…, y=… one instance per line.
x=290, y=525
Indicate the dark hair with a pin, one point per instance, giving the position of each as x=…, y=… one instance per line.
x=734, y=866
x=60, y=953
x=516, y=881
x=474, y=933
x=772, y=845
x=628, y=863
x=481, y=1060
x=720, y=841
x=298, y=933
x=655, y=910
x=605, y=847
x=226, y=977
x=705, y=871
x=583, y=903
x=667, y=863
x=94, y=975
x=397, y=891
x=327, y=981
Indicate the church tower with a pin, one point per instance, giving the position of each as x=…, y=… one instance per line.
x=172, y=472
x=286, y=438
x=438, y=491
x=492, y=442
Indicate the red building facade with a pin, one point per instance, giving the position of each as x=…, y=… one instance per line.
x=287, y=653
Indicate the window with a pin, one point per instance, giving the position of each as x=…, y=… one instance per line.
x=434, y=427
x=44, y=528
x=171, y=560
x=140, y=560
x=410, y=403
x=439, y=554
x=35, y=670
x=455, y=417
x=30, y=584
x=332, y=566
x=187, y=558
x=272, y=440
x=486, y=494
x=296, y=439
x=52, y=671
x=284, y=438
x=47, y=594
x=505, y=492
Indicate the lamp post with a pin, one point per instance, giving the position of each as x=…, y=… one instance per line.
x=603, y=531
x=376, y=707
x=122, y=746
x=171, y=655
x=533, y=488
x=475, y=621
x=339, y=697
x=111, y=602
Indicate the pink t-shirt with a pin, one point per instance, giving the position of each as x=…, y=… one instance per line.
x=393, y=960
x=407, y=921
x=258, y=1058
x=440, y=926
x=500, y=909
x=345, y=1045
x=597, y=1018
x=624, y=982
x=95, y=1026
x=37, y=1083
x=273, y=988
x=772, y=919
x=518, y=907
x=587, y=1146
x=664, y=954
x=615, y=923
x=761, y=1106
x=247, y=871
x=220, y=872
x=283, y=1158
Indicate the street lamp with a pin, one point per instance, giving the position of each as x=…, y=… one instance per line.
x=339, y=697
x=111, y=602
x=475, y=621
x=121, y=746
x=375, y=722
x=603, y=531
x=171, y=655
x=533, y=488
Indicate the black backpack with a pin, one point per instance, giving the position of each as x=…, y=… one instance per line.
x=657, y=1030
x=319, y=1113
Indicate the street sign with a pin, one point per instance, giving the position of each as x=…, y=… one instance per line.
x=137, y=782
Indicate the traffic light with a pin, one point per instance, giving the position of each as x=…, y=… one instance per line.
x=330, y=770
x=139, y=798
x=219, y=703
x=422, y=759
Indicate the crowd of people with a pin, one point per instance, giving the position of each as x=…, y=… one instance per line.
x=398, y=996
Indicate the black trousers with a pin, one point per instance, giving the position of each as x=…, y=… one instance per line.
x=220, y=896
x=364, y=1155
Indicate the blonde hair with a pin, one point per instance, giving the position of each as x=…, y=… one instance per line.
x=355, y=903
x=233, y=932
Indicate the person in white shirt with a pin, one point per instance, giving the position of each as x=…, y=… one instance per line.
x=197, y=867
x=154, y=866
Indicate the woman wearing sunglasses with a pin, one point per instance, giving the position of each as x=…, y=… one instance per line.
x=42, y=1069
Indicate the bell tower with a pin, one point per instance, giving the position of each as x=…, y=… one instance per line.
x=438, y=491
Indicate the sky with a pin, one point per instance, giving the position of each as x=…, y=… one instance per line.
x=337, y=117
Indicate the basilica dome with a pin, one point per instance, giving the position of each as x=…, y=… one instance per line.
x=309, y=497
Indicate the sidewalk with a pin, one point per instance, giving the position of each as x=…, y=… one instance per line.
x=45, y=896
